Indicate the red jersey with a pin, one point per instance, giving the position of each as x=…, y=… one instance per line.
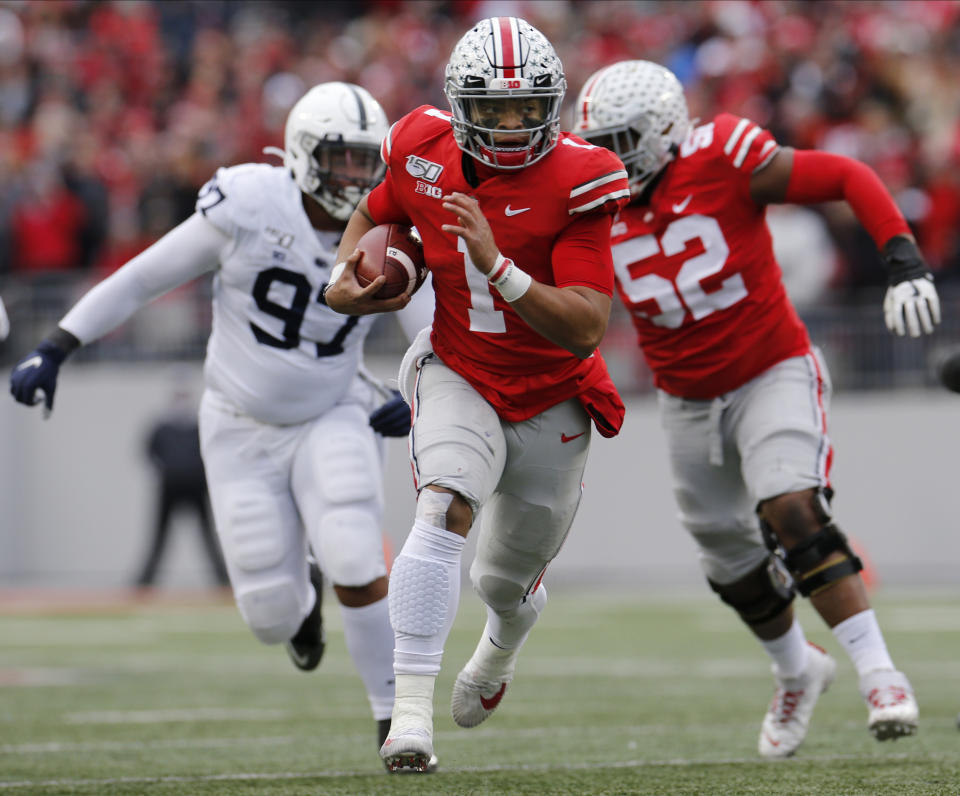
x=551, y=218
x=696, y=270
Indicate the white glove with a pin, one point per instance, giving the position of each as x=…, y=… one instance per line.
x=911, y=305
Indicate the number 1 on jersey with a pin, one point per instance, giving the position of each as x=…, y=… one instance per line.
x=483, y=316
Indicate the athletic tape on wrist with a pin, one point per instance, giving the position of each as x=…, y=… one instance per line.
x=511, y=281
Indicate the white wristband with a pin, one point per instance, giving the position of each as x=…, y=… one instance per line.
x=511, y=281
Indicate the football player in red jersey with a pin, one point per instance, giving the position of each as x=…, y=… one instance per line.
x=515, y=219
x=743, y=394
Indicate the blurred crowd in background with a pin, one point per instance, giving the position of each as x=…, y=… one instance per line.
x=112, y=114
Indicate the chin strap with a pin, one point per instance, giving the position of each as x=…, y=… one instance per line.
x=274, y=150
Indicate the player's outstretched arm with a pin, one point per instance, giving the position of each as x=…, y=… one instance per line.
x=574, y=318
x=911, y=304
x=184, y=253
x=343, y=293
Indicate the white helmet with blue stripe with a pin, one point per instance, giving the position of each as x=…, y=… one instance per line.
x=332, y=145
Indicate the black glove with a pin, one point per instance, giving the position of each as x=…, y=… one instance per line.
x=903, y=261
x=38, y=370
x=393, y=418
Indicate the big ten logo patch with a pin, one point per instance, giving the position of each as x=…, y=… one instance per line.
x=430, y=190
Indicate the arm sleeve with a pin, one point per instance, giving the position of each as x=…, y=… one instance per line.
x=184, y=253
x=581, y=254
x=825, y=177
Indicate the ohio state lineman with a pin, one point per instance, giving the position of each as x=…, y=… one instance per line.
x=515, y=220
x=743, y=393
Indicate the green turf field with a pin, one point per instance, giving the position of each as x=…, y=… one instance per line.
x=615, y=694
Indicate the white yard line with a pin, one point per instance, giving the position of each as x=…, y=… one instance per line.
x=536, y=767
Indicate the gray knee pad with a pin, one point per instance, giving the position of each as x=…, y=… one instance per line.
x=500, y=594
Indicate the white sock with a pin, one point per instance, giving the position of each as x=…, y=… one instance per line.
x=369, y=640
x=509, y=629
x=790, y=652
x=413, y=709
x=424, y=595
x=861, y=637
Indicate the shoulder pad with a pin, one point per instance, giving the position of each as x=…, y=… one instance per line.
x=231, y=199
x=421, y=123
x=597, y=179
x=741, y=143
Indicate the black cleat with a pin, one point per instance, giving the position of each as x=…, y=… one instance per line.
x=306, y=647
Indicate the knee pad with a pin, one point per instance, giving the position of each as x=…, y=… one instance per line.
x=418, y=595
x=271, y=610
x=500, y=594
x=761, y=594
x=806, y=561
x=350, y=545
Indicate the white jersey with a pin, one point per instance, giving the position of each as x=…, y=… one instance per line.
x=276, y=353
x=275, y=350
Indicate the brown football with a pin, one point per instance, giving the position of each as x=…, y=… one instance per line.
x=395, y=251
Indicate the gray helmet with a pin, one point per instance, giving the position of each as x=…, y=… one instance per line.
x=638, y=110
x=505, y=61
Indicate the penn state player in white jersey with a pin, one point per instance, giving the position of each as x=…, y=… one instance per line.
x=289, y=417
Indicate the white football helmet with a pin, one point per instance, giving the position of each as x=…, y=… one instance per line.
x=505, y=84
x=637, y=110
x=332, y=145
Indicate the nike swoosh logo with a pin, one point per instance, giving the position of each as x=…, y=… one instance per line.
x=301, y=659
x=771, y=741
x=492, y=702
x=34, y=362
x=565, y=438
x=681, y=206
x=510, y=212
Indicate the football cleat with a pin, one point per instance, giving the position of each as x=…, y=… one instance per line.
x=788, y=717
x=383, y=731
x=892, y=709
x=481, y=684
x=306, y=647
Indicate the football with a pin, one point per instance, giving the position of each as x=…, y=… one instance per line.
x=395, y=251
